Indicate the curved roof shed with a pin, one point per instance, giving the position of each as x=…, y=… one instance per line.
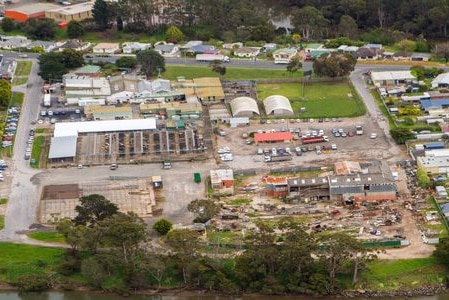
x=244, y=107
x=278, y=105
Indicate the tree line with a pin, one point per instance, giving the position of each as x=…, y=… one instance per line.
x=117, y=252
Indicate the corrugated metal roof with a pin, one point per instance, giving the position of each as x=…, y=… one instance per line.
x=62, y=147
x=272, y=137
x=73, y=128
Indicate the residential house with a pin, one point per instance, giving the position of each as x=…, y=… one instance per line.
x=269, y=47
x=364, y=53
x=402, y=55
x=203, y=49
x=441, y=81
x=74, y=44
x=47, y=46
x=222, y=181
x=377, y=47
x=247, y=52
x=167, y=50
x=230, y=46
x=190, y=44
x=421, y=57
x=106, y=48
x=13, y=42
x=284, y=55
x=347, y=49
x=133, y=47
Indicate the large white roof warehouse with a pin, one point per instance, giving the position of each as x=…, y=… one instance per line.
x=277, y=105
x=244, y=107
x=73, y=128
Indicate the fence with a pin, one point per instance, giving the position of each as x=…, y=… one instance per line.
x=294, y=169
x=301, y=80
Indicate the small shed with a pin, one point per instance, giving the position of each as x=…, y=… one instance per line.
x=157, y=182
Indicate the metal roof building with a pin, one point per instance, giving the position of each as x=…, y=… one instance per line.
x=73, y=128
x=278, y=105
x=273, y=137
x=63, y=147
x=244, y=107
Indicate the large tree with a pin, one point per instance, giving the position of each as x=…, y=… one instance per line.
x=5, y=93
x=203, y=209
x=294, y=65
x=441, y=50
x=309, y=21
x=127, y=62
x=102, y=13
x=334, y=65
x=151, y=62
x=94, y=208
x=53, y=65
x=40, y=29
x=75, y=29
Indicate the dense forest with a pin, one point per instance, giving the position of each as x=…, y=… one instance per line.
x=383, y=21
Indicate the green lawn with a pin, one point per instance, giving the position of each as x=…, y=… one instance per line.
x=392, y=274
x=321, y=100
x=17, y=98
x=17, y=260
x=239, y=201
x=47, y=236
x=189, y=72
x=2, y=222
x=37, y=150
x=22, y=72
x=3, y=201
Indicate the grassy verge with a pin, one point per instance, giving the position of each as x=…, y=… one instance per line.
x=17, y=98
x=2, y=222
x=18, y=260
x=188, y=71
x=3, y=201
x=37, y=150
x=389, y=275
x=47, y=236
x=321, y=100
x=239, y=201
x=22, y=72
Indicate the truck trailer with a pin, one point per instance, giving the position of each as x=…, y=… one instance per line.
x=47, y=100
x=275, y=158
x=311, y=140
x=212, y=57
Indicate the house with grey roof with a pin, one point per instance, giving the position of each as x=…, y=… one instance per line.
x=133, y=47
x=167, y=50
x=75, y=45
x=47, y=46
x=13, y=42
x=8, y=68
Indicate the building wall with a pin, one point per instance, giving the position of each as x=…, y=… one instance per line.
x=17, y=15
x=66, y=17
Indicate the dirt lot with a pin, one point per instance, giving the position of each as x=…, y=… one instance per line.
x=353, y=148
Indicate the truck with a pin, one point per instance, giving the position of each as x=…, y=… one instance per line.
x=212, y=57
x=358, y=130
x=275, y=158
x=311, y=140
x=47, y=100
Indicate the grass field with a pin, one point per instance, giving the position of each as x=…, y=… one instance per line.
x=37, y=150
x=3, y=201
x=406, y=273
x=189, y=72
x=2, y=222
x=17, y=98
x=47, y=236
x=22, y=72
x=17, y=260
x=321, y=100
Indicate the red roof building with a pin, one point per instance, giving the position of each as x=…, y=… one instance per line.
x=273, y=137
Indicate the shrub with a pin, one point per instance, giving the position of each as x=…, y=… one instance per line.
x=163, y=226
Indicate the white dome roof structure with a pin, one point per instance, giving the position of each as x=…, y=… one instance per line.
x=244, y=107
x=278, y=105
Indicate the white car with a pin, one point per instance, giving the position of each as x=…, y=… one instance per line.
x=334, y=147
x=373, y=135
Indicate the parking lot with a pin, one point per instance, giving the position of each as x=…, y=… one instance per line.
x=348, y=147
x=141, y=146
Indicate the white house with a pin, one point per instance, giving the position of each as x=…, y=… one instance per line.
x=167, y=50
x=132, y=47
x=108, y=48
x=284, y=55
x=247, y=51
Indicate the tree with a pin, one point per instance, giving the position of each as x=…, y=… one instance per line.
x=40, y=29
x=294, y=65
x=8, y=24
x=441, y=50
x=406, y=45
x=309, y=21
x=102, y=14
x=347, y=26
x=334, y=65
x=151, y=62
x=162, y=226
x=441, y=252
x=74, y=235
x=203, y=209
x=71, y=58
x=5, y=93
x=124, y=232
x=75, y=29
x=93, y=209
x=218, y=67
x=422, y=178
x=401, y=135
x=127, y=62
x=174, y=35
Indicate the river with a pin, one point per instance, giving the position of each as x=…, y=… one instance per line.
x=5, y=295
